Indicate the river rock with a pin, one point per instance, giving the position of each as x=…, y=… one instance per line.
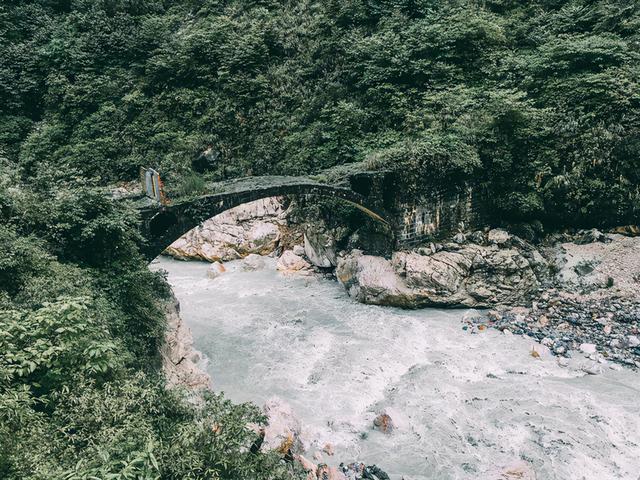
x=253, y=262
x=360, y=471
x=284, y=429
x=498, y=236
x=255, y=227
x=477, y=237
x=590, y=236
x=289, y=262
x=384, y=423
x=518, y=470
x=319, y=247
x=472, y=275
x=298, y=250
x=588, y=348
x=629, y=230
x=326, y=472
x=215, y=270
x=593, y=368
x=460, y=238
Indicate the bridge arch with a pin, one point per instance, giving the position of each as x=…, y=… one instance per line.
x=163, y=224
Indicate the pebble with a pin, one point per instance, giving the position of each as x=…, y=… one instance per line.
x=592, y=369
x=588, y=348
x=328, y=449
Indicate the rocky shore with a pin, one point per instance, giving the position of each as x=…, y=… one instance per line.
x=577, y=292
x=181, y=362
x=590, y=304
x=603, y=330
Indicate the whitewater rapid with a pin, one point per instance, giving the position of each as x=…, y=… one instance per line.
x=465, y=406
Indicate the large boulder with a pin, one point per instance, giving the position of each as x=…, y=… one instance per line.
x=255, y=227
x=471, y=275
x=371, y=279
x=441, y=271
x=284, y=430
x=319, y=247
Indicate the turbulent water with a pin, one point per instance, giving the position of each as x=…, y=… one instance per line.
x=465, y=406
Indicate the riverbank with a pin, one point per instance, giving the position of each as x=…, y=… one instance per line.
x=571, y=292
x=183, y=365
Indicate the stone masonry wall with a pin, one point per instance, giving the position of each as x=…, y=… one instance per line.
x=441, y=214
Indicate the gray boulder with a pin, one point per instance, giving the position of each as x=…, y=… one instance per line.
x=290, y=263
x=498, y=236
x=472, y=276
x=253, y=262
x=319, y=247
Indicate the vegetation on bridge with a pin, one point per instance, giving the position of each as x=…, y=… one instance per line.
x=537, y=101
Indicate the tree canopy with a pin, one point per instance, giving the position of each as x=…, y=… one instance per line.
x=538, y=101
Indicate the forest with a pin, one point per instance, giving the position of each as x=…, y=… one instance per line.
x=537, y=102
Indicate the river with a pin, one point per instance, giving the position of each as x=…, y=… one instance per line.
x=465, y=406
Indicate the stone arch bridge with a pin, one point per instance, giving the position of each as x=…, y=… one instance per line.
x=163, y=224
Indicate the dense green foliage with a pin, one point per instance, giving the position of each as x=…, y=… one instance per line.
x=81, y=394
x=538, y=102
